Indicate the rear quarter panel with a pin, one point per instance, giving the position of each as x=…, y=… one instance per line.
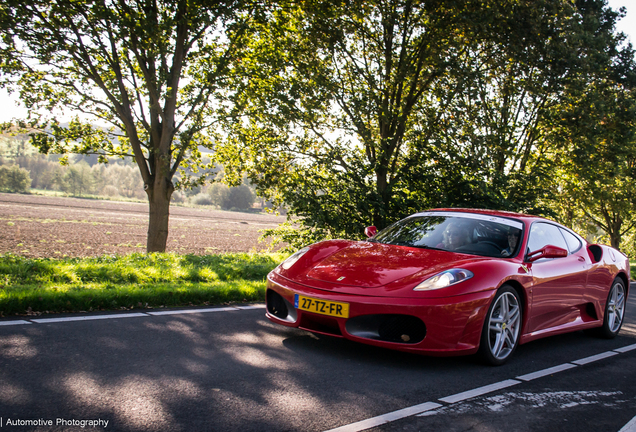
x=602, y=274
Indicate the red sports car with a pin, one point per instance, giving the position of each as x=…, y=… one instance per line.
x=453, y=282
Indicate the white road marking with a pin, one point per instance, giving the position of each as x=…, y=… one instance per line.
x=16, y=322
x=594, y=358
x=131, y=315
x=258, y=306
x=192, y=311
x=387, y=418
x=544, y=372
x=629, y=427
x=88, y=318
x=626, y=348
x=425, y=408
x=479, y=391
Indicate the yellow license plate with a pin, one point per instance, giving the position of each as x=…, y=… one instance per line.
x=323, y=307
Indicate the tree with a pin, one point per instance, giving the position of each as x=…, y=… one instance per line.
x=41, y=170
x=125, y=178
x=14, y=179
x=368, y=111
x=596, y=129
x=494, y=144
x=218, y=194
x=78, y=179
x=148, y=69
x=329, y=97
x=240, y=197
x=237, y=197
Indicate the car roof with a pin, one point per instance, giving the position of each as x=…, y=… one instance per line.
x=500, y=213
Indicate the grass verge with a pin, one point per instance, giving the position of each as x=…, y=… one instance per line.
x=38, y=285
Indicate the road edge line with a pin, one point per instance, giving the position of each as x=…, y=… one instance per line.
x=480, y=391
x=630, y=426
x=387, y=418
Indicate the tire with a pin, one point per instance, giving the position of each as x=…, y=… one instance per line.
x=614, y=310
x=502, y=327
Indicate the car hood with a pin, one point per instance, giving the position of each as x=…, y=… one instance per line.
x=373, y=265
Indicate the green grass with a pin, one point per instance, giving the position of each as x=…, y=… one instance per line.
x=138, y=280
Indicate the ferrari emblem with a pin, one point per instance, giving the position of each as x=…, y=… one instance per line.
x=523, y=266
x=340, y=278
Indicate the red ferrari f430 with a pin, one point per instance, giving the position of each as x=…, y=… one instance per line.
x=453, y=282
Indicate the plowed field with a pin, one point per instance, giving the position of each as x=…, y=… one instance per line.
x=37, y=226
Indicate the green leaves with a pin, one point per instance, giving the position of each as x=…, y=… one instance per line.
x=349, y=113
x=326, y=98
x=595, y=128
x=148, y=73
x=14, y=179
x=361, y=113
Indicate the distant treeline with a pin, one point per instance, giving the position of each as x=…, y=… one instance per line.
x=22, y=169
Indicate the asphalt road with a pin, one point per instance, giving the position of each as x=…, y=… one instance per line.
x=232, y=370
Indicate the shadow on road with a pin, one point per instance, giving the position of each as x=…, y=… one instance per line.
x=237, y=371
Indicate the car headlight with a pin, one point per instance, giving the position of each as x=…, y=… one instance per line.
x=444, y=279
x=293, y=258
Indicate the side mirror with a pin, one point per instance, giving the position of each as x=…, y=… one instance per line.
x=548, y=251
x=370, y=231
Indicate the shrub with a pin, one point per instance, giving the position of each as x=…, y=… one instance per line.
x=126, y=179
x=202, y=199
x=14, y=179
x=78, y=179
x=240, y=197
x=219, y=194
x=41, y=170
x=110, y=191
x=178, y=197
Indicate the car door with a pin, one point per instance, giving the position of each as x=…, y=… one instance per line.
x=558, y=284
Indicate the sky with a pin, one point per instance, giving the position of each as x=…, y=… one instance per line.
x=9, y=108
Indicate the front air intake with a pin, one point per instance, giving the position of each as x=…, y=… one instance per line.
x=402, y=329
x=396, y=328
x=279, y=307
x=276, y=305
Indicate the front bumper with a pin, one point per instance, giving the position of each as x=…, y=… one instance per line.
x=440, y=326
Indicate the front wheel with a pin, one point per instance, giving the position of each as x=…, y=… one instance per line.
x=502, y=327
x=614, y=310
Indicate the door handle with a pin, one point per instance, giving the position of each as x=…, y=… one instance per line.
x=581, y=259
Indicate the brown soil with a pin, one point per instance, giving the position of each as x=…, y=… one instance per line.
x=38, y=226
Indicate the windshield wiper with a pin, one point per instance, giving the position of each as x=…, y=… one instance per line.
x=428, y=247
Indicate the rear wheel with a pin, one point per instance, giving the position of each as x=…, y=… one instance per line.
x=614, y=310
x=502, y=327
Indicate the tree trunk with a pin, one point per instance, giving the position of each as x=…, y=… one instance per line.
x=159, y=195
x=383, y=190
x=615, y=226
x=615, y=240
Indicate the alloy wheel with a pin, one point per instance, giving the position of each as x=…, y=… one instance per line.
x=503, y=325
x=616, y=307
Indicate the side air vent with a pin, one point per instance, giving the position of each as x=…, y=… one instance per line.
x=279, y=307
x=596, y=252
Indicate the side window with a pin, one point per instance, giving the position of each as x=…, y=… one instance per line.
x=573, y=242
x=543, y=234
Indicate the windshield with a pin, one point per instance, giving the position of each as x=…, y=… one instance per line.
x=464, y=233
